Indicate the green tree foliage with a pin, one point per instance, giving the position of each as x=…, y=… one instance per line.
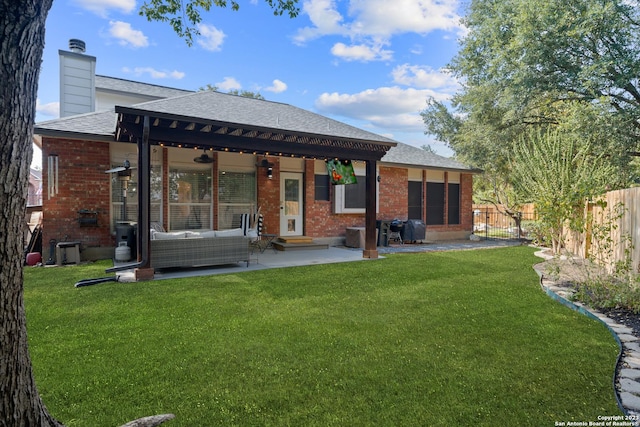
x=245, y=93
x=184, y=17
x=428, y=148
x=552, y=50
x=571, y=65
x=558, y=172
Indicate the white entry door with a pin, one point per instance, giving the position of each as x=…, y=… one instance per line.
x=291, y=206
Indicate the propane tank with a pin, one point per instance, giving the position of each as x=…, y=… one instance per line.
x=123, y=252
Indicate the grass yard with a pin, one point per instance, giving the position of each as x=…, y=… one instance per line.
x=433, y=339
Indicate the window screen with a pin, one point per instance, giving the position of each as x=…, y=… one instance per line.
x=415, y=200
x=435, y=203
x=453, y=201
x=355, y=194
x=322, y=187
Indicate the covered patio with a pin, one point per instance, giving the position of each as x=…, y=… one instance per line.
x=270, y=259
x=262, y=129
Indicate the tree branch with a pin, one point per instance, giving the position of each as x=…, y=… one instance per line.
x=152, y=421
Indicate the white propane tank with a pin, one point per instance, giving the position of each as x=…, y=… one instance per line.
x=123, y=252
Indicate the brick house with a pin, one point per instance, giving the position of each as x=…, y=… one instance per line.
x=215, y=155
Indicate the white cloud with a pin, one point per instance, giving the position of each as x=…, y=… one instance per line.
x=51, y=109
x=361, y=52
x=153, y=73
x=372, y=23
x=277, y=86
x=424, y=77
x=210, y=37
x=385, y=107
x=229, y=83
x=126, y=35
x=102, y=7
x=385, y=18
x=325, y=19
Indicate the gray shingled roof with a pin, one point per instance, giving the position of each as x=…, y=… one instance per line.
x=411, y=156
x=240, y=110
x=234, y=109
x=113, y=84
x=100, y=125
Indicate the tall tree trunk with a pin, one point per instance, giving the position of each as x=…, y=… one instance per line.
x=22, y=28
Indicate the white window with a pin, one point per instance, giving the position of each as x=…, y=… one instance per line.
x=351, y=199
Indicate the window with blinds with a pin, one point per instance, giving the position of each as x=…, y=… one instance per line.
x=236, y=195
x=190, y=201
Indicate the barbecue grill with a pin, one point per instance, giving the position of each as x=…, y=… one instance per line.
x=395, y=230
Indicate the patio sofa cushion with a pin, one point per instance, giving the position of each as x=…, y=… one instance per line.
x=198, y=248
x=159, y=235
x=231, y=232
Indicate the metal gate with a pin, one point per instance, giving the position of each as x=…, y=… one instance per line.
x=490, y=223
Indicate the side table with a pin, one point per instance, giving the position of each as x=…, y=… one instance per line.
x=266, y=242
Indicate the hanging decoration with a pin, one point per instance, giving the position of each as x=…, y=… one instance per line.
x=341, y=172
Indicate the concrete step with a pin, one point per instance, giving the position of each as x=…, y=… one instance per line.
x=284, y=246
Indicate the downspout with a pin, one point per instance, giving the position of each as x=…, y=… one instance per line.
x=144, y=192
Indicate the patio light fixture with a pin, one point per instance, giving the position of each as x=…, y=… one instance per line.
x=268, y=165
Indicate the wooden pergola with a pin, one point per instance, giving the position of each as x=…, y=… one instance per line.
x=146, y=127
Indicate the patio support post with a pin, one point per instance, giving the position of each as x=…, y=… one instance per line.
x=144, y=271
x=370, y=243
x=142, y=268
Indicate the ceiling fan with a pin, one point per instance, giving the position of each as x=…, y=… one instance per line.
x=203, y=158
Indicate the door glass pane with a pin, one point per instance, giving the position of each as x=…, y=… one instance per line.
x=291, y=197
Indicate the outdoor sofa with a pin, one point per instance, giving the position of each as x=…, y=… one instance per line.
x=198, y=248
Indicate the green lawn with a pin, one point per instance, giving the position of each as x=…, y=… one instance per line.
x=432, y=339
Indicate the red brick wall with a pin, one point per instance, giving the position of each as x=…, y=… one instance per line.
x=393, y=195
x=320, y=221
x=82, y=185
x=269, y=197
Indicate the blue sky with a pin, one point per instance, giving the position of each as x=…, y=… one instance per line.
x=368, y=63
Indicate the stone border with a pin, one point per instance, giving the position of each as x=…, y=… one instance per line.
x=626, y=385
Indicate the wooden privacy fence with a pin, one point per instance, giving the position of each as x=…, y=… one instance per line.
x=621, y=239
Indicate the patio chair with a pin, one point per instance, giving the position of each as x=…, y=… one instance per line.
x=251, y=225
